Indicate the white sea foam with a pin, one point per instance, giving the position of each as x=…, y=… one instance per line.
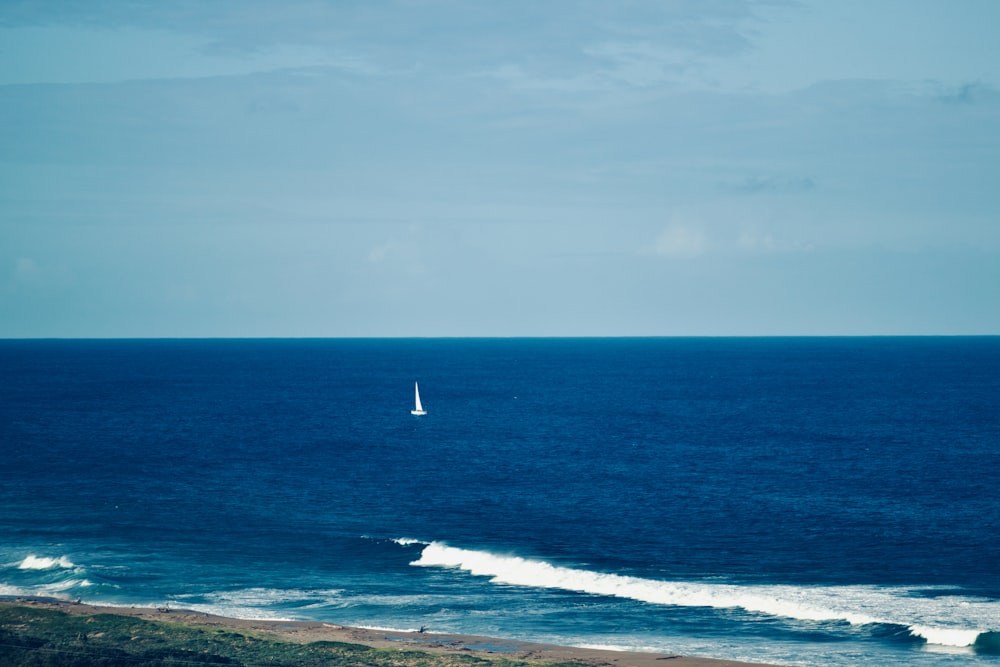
x=379, y=628
x=262, y=597
x=65, y=585
x=56, y=589
x=944, y=620
x=214, y=610
x=642, y=648
x=256, y=603
x=245, y=613
x=33, y=562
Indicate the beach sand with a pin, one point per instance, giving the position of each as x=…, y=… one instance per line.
x=311, y=631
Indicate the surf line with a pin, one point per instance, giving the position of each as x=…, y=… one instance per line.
x=794, y=602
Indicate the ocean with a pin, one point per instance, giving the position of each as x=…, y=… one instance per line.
x=800, y=501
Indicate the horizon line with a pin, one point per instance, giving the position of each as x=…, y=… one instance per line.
x=496, y=337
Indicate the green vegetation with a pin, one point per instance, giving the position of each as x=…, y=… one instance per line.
x=33, y=637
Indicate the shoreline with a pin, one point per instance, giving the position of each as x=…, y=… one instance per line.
x=305, y=632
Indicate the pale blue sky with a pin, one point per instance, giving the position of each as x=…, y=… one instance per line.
x=462, y=168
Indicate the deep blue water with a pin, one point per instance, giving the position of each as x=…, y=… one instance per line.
x=791, y=500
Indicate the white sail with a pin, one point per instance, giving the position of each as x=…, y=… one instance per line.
x=418, y=408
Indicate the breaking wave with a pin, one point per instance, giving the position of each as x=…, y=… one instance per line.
x=43, y=575
x=33, y=562
x=947, y=620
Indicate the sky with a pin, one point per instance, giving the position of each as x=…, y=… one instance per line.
x=329, y=168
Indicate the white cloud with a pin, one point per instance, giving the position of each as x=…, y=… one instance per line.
x=678, y=241
x=25, y=269
x=378, y=254
x=400, y=252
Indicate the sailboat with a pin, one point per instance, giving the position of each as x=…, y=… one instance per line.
x=418, y=409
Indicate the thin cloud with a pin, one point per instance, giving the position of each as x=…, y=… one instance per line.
x=25, y=269
x=757, y=184
x=632, y=45
x=679, y=242
x=640, y=63
x=401, y=253
x=517, y=78
x=968, y=93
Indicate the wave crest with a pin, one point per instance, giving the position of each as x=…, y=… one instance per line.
x=33, y=562
x=406, y=541
x=946, y=636
x=945, y=621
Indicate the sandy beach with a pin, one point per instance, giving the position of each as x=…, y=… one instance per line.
x=311, y=631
